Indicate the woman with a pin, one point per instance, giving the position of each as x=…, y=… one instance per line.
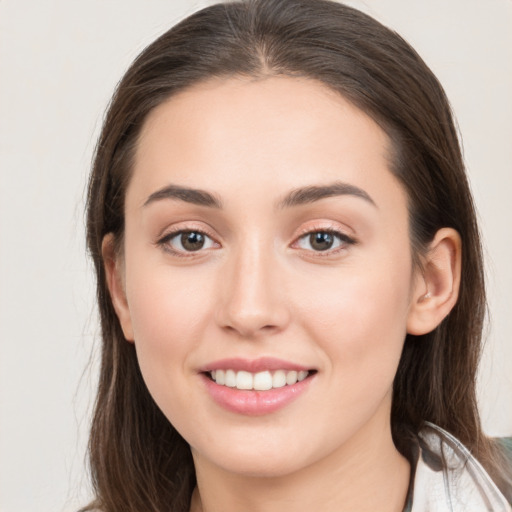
x=289, y=274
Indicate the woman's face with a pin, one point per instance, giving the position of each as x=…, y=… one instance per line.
x=266, y=245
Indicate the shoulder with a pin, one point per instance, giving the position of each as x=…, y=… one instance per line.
x=505, y=443
x=448, y=477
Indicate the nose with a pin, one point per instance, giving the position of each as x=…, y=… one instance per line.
x=253, y=300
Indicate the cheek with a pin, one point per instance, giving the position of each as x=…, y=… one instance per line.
x=163, y=308
x=168, y=316
x=359, y=298
x=168, y=310
x=358, y=319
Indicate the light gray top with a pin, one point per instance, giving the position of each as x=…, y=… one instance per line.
x=449, y=479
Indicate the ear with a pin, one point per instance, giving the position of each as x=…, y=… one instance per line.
x=115, y=282
x=436, y=289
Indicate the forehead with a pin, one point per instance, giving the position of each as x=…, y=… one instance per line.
x=244, y=134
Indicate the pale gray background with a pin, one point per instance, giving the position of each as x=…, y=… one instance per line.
x=59, y=62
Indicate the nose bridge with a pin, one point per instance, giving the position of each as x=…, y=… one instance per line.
x=252, y=297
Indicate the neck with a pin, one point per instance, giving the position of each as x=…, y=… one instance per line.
x=366, y=474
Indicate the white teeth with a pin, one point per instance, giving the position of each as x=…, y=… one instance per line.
x=244, y=380
x=219, y=377
x=302, y=375
x=230, y=379
x=291, y=378
x=279, y=379
x=261, y=381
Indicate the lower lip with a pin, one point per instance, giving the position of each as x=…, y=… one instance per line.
x=255, y=403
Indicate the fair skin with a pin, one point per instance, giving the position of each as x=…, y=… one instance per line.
x=238, y=274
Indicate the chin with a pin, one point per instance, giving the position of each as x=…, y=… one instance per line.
x=258, y=466
x=267, y=459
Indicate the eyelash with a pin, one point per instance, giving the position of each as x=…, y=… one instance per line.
x=343, y=239
x=164, y=242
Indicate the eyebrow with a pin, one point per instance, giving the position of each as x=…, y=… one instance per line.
x=296, y=197
x=189, y=195
x=311, y=194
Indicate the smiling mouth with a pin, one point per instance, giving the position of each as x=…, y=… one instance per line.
x=260, y=381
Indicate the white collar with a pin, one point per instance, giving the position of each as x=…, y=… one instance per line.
x=449, y=479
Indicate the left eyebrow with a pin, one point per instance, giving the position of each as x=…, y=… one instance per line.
x=314, y=193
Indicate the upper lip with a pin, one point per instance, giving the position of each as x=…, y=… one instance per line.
x=253, y=365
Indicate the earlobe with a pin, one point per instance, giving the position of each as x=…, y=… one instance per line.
x=437, y=286
x=114, y=278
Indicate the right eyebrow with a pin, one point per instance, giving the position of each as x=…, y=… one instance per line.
x=189, y=195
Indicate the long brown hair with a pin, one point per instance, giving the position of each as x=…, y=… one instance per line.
x=139, y=462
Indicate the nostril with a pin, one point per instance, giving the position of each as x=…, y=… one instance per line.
x=250, y=329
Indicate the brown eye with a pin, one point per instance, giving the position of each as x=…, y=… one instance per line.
x=183, y=242
x=192, y=240
x=321, y=240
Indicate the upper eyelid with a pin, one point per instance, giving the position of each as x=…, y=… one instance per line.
x=335, y=231
x=328, y=226
x=170, y=231
x=174, y=234
x=315, y=226
x=340, y=234
x=346, y=235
